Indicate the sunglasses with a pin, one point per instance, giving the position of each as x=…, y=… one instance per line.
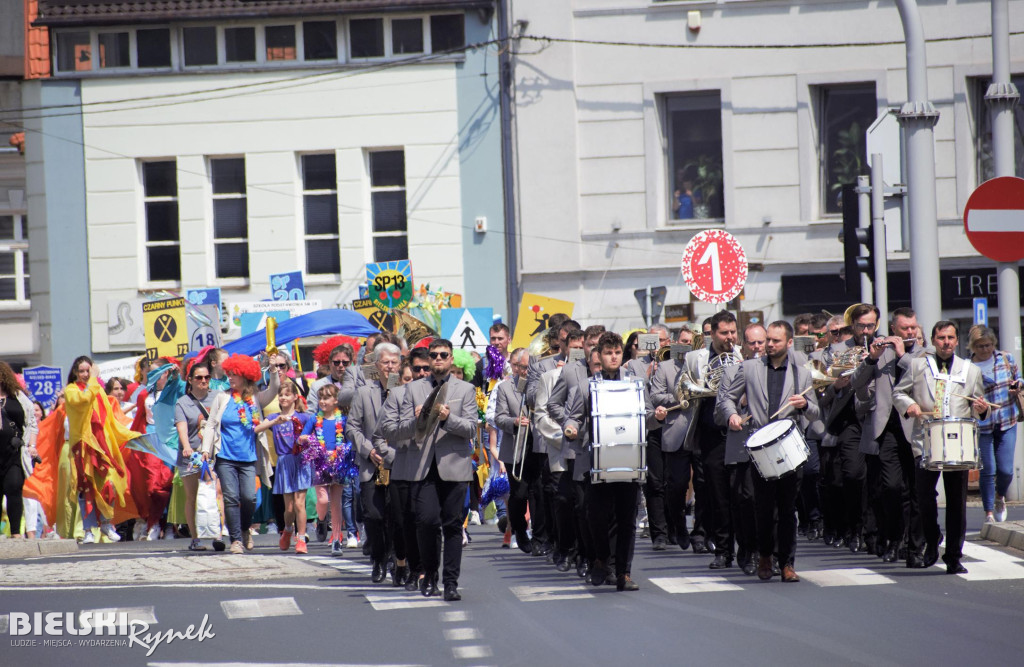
x=421, y=369
x=439, y=355
x=280, y=366
x=835, y=332
x=200, y=378
x=336, y=362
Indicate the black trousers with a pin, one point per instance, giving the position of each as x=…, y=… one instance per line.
x=809, y=500
x=394, y=523
x=541, y=520
x=563, y=510
x=888, y=475
x=701, y=502
x=771, y=498
x=617, y=500
x=716, y=482
x=677, y=482
x=654, y=488
x=576, y=495
x=12, y=480
x=955, y=484
x=831, y=485
x=401, y=501
x=744, y=512
x=438, y=507
x=853, y=470
x=375, y=514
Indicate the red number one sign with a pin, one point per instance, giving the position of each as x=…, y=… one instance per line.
x=714, y=266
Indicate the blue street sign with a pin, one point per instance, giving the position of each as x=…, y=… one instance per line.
x=981, y=311
x=287, y=286
x=43, y=383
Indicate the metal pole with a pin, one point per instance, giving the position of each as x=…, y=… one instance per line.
x=1001, y=97
x=918, y=116
x=864, y=222
x=509, y=159
x=878, y=228
x=649, y=317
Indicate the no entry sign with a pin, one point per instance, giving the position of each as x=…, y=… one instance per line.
x=994, y=219
x=714, y=266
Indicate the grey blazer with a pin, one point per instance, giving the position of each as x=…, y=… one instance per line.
x=537, y=368
x=874, y=384
x=450, y=444
x=735, y=441
x=407, y=454
x=579, y=417
x=506, y=411
x=832, y=402
x=918, y=386
x=573, y=374
x=752, y=380
x=360, y=427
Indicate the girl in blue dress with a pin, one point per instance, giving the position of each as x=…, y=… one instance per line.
x=293, y=475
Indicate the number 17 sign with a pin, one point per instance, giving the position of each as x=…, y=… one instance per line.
x=714, y=266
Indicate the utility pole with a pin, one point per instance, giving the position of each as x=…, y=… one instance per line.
x=878, y=238
x=1001, y=97
x=918, y=117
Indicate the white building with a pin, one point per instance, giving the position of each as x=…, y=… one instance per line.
x=606, y=132
x=214, y=143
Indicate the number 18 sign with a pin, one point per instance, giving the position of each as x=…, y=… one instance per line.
x=714, y=266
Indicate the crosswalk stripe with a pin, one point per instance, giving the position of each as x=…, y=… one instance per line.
x=471, y=652
x=403, y=600
x=549, y=593
x=273, y=664
x=853, y=576
x=461, y=634
x=5, y=620
x=142, y=614
x=709, y=584
x=454, y=616
x=342, y=564
x=990, y=564
x=260, y=608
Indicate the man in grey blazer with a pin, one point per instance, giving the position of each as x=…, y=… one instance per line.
x=774, y=384
x=937, y=384
x=891, y=490
x=557, y=336
x=360, y=427
x=403, y=471
x=573, y=374
x=444, y=467
x=607, y=498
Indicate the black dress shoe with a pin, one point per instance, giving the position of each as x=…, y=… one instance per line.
x=829, y=538
x=563, y=564
x=503, y=524
x=891, y=554
x=412, y=582
x=428, y=586
x=379, y=573
x=699, y=546
x=598, y=573
x=672, y=539
x=321, y=530
x=624, y=583
x=451, y=592
x=583, y=568
x=398, y=575
x=721, y=562
x=854, y=543
x=541, y=548
x=776, y=570
x=915, y=562
x=869, y=544
x=523, y=542
x=710, y=546
x=660, y=544
x=749, y=568
x=931, y=555
x=683, y=540
x=955, y=568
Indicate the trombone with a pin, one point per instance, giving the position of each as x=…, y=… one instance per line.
x=522, y=433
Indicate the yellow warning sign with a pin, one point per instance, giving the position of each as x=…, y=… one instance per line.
x=166, y=328
x=534, y=311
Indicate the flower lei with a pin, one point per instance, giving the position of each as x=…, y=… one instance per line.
x=335, y=466
x=246, y=410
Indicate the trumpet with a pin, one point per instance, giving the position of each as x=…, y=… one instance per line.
x=522, y=433
x=271, y=331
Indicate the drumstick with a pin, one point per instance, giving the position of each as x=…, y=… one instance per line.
x=976, y=398
x=787, y=405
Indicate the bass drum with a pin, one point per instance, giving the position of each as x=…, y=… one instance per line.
x=618, y=438
x=777, y=449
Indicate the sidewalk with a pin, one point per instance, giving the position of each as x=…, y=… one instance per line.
x=1008, y=533
x=23, y=548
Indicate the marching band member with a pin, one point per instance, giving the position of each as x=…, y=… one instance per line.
x=444, y=468
x=403, y=474
x=773, y=385
x=941, y=383
x=538, y=366
x=737, y=461
x=374, y=456
x=618, y=499
x=886, y=439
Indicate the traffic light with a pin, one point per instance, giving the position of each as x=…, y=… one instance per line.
x=854, y=236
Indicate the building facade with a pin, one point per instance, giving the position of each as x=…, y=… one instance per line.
x=213, y=143
x=641, y=122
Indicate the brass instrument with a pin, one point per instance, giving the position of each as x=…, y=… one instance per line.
x=663, y=354
x=698, y=340
x=522, y=433
x=383, y=475
x=410, y=328
x=688, y=390
x=271, y=330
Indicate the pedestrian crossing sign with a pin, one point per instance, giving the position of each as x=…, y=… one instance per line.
x=467, y=328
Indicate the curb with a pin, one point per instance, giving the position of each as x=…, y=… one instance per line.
x=1008, y=533
x=24, y=548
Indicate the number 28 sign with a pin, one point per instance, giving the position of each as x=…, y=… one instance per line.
x=714, y=266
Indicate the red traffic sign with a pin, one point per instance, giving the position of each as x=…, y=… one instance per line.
x=994, y=219
x=714, y=266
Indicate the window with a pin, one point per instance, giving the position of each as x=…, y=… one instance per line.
x=14, y=259
x=240, y=45
x=114, y=50
x=366, y=37
x=983, y=139
x=280, y=42
x=695, y=155
x=845, y=113
x=200, y=46
x=230, y=218
x=320, y=40
x=153, y=47
x=447, y=32
x=387, y=195
x=406, y=36
x=74, y=52
x=320, y=205
x=160, y=195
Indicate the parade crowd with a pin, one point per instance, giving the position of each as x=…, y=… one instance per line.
x=399, y=450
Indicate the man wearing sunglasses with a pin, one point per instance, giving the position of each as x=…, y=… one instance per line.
x=444, y=466
x=346, y=376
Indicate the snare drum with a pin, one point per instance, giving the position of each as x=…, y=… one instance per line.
x=618, y=435
x=950, y=443
x=777, y=449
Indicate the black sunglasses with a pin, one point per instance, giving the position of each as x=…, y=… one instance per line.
x=281, y=366
x=834, y=332
x=420, y=369
x=337, y=362
x=439, y=355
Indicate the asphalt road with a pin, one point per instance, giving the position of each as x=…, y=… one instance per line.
x=516, y=610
